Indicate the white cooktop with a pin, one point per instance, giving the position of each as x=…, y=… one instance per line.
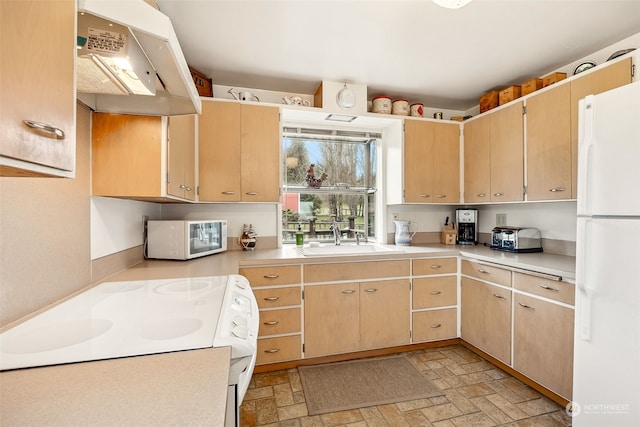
x=119, y=319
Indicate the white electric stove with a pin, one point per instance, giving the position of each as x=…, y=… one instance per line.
x=134, y=318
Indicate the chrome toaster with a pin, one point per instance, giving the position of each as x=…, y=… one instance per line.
x=516, y=239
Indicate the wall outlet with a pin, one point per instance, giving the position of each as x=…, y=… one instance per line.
x=501, y=220
x=395, y=216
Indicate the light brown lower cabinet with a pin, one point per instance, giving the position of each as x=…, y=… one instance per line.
x=486, y=318
x=278, y=349
x=348, y=317
x=543, y=343
x=434, y=325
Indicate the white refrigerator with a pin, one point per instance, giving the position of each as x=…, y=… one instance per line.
x=606, y=370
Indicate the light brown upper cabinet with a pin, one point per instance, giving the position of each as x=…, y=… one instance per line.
x=431, y=162
x=494, y=156
x=129, y=157
x=548, y=139
x=595, y=81
x=38, y=101
x=239, y=152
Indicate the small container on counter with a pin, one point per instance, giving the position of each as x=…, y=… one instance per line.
x=299, y=237
x=400, y=107
x=416, y=109
x=381, y=104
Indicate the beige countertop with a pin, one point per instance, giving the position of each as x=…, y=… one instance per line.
x=179, y=388
x=229, y=262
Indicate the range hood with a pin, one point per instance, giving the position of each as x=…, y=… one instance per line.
x=129, y=61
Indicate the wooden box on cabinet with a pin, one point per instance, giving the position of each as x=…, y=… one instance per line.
x=489, y=100
x=530, y=86
x=508, y=94
x=204, y=85
x=553, y=78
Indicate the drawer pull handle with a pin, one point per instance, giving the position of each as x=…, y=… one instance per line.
x=251, y=193
x=271, y=298
x=53, y=131
x=348, y=291
x=483, y=271
x=498, y=194
x=499, y=296
x=481, y=195
x=556, y=190
x=228, y=193
x=271, y=323
x=436, y=266
x=441, y=196
x=272, y=350
x=371, y=290
x=526, y=306
x=436, y=326
x=548, y=288
x=424, y=196
x=271, y=276
x=436, y=292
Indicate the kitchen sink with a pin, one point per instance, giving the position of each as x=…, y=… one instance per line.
x=346, y=249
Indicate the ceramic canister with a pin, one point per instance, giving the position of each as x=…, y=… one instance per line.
x=400, y=107
x=381, y=104
x=416, y=109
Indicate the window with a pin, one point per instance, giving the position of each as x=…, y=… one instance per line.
x=329, y=176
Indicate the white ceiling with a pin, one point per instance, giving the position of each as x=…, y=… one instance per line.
x=405, y=49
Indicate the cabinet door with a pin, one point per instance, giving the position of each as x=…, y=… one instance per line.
x=384, y=314
x=477, y=159
x=507, y=154
x=418, y=161
x=126, y=155
x=181, y=180
x=545, y=357
x=596, y=81
x=219, y=152
x=37, y=82
x=331, y=319
x=260, y=153
x=486, y=318
x=549, y=144
x=446, y=166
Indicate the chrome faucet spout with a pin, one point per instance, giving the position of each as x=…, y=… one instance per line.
x=336, y=232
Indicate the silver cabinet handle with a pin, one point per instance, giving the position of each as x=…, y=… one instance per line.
x=436, y=326
x=548, y=288
x=272, y=350
x=184, y=187
x=526, y=306
x=436, y=292
x=271, y=298
x=271, y=276
x=441, y=196
x=251, y=193
x=556, y=190
x=435, y=266
x=483, y=271
x=348, y=291
x=370, y=290
x=228, y=193
x=499, y=296
x=52, y=131
x=481, y=195
x=498, y=194
x=271, y=323
x=424, y=196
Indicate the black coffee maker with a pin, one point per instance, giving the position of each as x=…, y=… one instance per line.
x=467, y=223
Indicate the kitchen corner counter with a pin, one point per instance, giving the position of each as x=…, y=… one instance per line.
x=178, y=388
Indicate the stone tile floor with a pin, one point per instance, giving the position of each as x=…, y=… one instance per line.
x=476, y=393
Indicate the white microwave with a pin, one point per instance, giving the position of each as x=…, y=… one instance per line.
x=185, y=239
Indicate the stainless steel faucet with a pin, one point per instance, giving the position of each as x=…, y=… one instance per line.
x=357, y=234
x=336, y=232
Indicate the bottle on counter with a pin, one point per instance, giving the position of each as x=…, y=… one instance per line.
x=299, y=237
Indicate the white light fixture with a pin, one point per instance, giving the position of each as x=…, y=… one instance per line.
x=452, y=4
x=340, y=118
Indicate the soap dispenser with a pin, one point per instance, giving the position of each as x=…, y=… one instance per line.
x=299, y=237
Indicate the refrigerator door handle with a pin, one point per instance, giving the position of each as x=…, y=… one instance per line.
x=583, y=293
x=585, y=145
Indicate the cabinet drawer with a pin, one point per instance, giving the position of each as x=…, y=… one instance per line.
x=355, y=270
x=554, y=289
x=487, y=272
x=434, y=292
x=276, y=275
x=435, y=325
x=278, y=297
x=275, y=322
x=423, y=267
x=280, y=349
